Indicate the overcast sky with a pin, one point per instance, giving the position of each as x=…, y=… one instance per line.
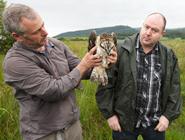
x=71, y=15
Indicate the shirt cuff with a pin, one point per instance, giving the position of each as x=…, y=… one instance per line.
x=75, y=77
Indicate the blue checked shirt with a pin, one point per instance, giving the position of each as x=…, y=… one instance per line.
x=148, y=86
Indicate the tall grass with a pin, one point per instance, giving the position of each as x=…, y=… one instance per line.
x=94, y=125
x=178, y=46
x=177, y=129
x=9, y=120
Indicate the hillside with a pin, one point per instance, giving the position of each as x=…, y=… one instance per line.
x=176, y=33
x=121, y=31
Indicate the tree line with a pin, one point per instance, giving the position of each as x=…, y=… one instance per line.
x=6, y=40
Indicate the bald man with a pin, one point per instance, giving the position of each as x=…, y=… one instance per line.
x=143, y=94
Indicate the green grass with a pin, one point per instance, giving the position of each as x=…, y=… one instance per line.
x=94, y=125
x=9, y=120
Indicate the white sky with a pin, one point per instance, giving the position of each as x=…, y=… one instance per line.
x=70, y=15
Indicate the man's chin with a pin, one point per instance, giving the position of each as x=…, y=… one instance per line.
x=146, y=43
x=44, y=42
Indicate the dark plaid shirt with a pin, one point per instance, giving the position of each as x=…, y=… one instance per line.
x=148, y=86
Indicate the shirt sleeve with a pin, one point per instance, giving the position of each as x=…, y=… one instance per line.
x=174, y=99
x=24, y=74
x=73, y=60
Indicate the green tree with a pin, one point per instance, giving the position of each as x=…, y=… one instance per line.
x=6, y=39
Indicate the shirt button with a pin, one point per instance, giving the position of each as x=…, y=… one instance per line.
x=145, y=77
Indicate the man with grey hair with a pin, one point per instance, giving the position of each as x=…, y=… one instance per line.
x=44, y=73
x=143, y=94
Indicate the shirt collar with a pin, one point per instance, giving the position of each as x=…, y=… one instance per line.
x=48, y=46
x=138, y=44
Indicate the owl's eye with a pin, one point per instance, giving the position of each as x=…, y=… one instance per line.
x=102, y=44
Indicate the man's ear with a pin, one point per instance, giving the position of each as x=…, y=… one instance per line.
x=164, y=33
x=16, y=36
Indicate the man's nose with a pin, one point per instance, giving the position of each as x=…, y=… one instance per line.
x=148, y=31
x=44, y=32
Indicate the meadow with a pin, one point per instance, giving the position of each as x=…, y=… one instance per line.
x=94, y=125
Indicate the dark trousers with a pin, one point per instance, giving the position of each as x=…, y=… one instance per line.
x=147, y=133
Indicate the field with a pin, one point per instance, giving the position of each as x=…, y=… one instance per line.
x=94, y=125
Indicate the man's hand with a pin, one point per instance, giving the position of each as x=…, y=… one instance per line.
x=112, y=58
x=114, y=123
x=163, y=124
x=89, y=61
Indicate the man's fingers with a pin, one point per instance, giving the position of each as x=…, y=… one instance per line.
x=157, y=127
x=163, y=124
x=93, y=50
x=114, y=123
x=119, y=128
x=114, y=127
x=160, y=127
x=113, y=53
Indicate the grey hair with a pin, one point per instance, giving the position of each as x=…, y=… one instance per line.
x=12, y=16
